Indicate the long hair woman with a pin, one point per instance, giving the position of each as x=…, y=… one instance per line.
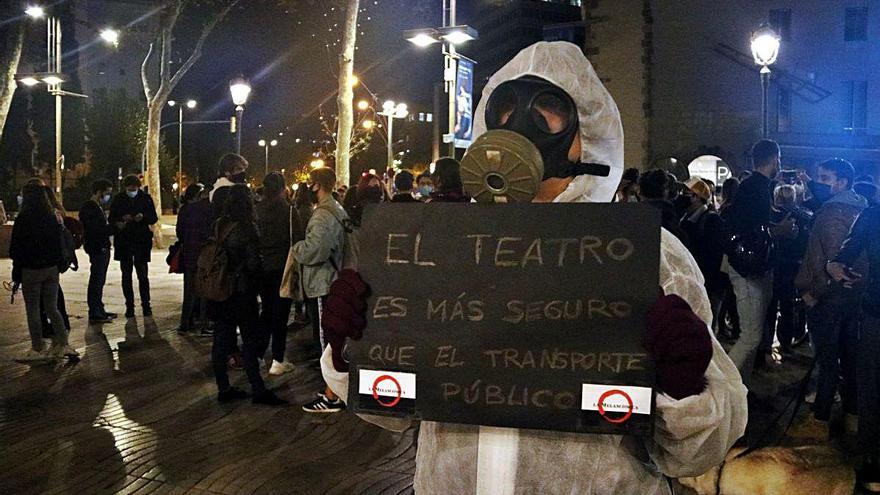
x=236, y=229
x=36, y=253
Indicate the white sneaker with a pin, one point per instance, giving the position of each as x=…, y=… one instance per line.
x=33, y=355
x=280, y=368
x=61, y=352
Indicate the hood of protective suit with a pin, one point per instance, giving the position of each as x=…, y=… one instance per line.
x=600, y=129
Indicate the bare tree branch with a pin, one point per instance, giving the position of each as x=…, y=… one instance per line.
x=145, y=77
x=197, y=50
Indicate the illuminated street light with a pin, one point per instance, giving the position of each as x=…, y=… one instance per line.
x=363, y=105
x=53, y=80
x=190, y=104
x=240, y=90
x=392, y=111
x=451, y=35
x=29, y=81
x=35, y=12
x=317, y=163
x=111, y=36
x=355, y=80
x=765, y=50
x=263, y=144
x=368, y=124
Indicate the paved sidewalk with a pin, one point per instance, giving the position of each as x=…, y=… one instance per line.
x=138, y=413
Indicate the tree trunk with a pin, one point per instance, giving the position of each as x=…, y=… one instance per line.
x=154, y=122
x=9, y=62
x=346, y=94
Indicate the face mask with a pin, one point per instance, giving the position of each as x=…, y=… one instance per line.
x=238, y=178
x=547, y=116
x=425, y=191
x=822, y=192
x=105, y=199
x=131, y=194
x=372, y=194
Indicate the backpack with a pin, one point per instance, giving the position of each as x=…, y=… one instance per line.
x=68, y=252
x=214, y=280
x=77, y=233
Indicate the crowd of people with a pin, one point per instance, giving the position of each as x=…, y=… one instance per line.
x=786, y=259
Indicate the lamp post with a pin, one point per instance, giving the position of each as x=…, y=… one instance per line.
x=189, y=104
x=392, y=111
x=450, y=35
x=239, y=89
x=267, y=144
x=53, y=77
x=765, y=50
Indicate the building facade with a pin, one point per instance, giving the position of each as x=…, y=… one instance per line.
x=683, y=77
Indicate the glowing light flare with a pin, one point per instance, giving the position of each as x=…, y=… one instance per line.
x=363, y=105
x=35, y=12
x=111, y=36
x=29, y=81
x=765, y=46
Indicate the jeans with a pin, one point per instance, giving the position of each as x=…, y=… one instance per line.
x=97, y=278
x=752, y=299
x=834, y=327
x=274, y=313
x=190, y=300
x=62, y=310
x=240, y=311
x=314, y=307
x=781, y=313
x=143, y=282
x=869, y=386
x=41, y=286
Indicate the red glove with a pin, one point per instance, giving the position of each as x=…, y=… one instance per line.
x=344, y=314
x=680, y=344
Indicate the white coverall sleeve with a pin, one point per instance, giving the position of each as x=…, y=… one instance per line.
x=694, y=434
x=338, y=383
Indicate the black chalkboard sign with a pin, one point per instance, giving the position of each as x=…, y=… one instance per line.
x=517, y=315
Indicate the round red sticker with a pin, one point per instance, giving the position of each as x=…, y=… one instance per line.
x=609, y=394
x=376, y=390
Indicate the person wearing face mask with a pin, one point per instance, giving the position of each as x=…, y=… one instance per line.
x=833, y=309
x=232, y=169
x=96, y=243
x=701, y=412
x=132, y=212
x=320, y=256
x=369, y=190
x=425, y=185
x=403, y=184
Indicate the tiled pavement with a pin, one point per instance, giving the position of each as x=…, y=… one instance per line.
x=138, y=415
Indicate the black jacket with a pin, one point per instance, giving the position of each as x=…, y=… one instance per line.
x=865, y=238
x=668, y=219
x=274, y=221
x=751, y=206
x=96, y=229
x=242, y=250
x=706, y=237
x=36, y=241
x=404, y=198
x=135, y=238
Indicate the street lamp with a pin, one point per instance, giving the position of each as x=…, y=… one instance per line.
x=189, y=104
x=267, y=144
x=111, y=36
x=239, y=89
x=35, y=12
x=765, y=50
x=450, y=35
x=317, y=163
x=392, y=111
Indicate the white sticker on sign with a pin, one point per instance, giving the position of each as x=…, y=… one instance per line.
x=616, y=399
x=394, y=384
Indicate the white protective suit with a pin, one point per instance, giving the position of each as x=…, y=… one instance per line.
x=691, y=435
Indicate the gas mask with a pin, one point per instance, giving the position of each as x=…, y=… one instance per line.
x=531, y=127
